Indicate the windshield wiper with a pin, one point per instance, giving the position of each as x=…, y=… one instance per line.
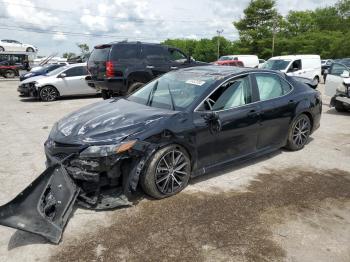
x=151, y=94
x=171, y=98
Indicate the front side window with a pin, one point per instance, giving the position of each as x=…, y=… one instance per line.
x=177, y=56
x=338, y=69
x=271, y=86
x=237, y=92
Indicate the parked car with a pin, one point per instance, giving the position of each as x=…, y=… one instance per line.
x=7, y=70
x=230, y=63
x=338, y=85
x=63, y=81
x=308, y=66
x=261, y=63
x=37, y=71
x=123, y=67
x=13, y=45
x=248, y=60
x=184, y=124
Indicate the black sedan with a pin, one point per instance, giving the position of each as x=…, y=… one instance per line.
x=184, y=124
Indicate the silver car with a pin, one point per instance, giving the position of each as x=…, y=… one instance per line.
x=64, y=81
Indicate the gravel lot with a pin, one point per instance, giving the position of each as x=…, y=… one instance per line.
x=287, y=206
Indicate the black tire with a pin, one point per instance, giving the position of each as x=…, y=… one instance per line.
x=10, y=74
x=161, y=179
x=317, y=80
x=299, y=133
x=29, y=49
x=48, y=93
x=339, y=107
x=2, y=49
x=105, y=94
x=134, y=86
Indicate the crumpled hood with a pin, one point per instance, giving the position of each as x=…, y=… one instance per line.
x=107, y=122
x=32, y=79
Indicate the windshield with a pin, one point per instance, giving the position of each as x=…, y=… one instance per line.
x=57, y=71
x=225, y=58
x=276, y=64
x=173, y=91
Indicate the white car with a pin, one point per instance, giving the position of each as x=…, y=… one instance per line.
x=338, y=85
x=308, y=66
x=8, y=45
x=64, y=81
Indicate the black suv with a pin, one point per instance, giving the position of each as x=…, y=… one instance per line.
x=123, y=67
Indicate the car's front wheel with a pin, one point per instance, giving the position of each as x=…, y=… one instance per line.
x=10, y=74
x=29, y=49
x=299, y=133
x=168, y=172
x=48, y=93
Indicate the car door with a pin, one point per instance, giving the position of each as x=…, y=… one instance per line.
x=277, y=109
x=234, y=133
x=155, y=59
x=72, y=82
x=334, y=78
x=296, y=68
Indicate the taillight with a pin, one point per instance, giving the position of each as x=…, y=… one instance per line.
x=109, y=69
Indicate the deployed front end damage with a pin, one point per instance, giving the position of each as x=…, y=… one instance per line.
x=91, y=178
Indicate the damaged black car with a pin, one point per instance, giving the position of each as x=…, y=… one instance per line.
x=183, y=124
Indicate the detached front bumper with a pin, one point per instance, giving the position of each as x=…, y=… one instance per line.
x=340, y=98
x=27, y=90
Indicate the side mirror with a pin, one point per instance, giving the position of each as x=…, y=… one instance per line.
x=63, y=75
x=345, y=74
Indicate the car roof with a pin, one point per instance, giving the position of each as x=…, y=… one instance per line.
x=225, y=71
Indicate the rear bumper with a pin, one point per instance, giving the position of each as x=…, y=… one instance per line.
x=115, y=85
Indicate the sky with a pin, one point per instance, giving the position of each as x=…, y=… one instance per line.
x=57, y=26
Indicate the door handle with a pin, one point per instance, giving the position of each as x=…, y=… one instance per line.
x=150, y=67
x=173, y=67
x=253, y=113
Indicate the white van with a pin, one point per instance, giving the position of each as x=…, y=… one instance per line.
x=248, y=60
x=308, y=66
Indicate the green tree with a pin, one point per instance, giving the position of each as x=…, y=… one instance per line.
x=259, y=23
x=84, y=49
x=69, y=55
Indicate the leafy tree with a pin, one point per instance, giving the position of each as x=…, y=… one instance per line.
x=68, y=55
x=84, y=48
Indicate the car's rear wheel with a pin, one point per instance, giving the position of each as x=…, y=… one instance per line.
x=105, y=94
x=2, y=49
x=299, y=133
x=339, y=106
x=167, y=173
x=48, y=93
x=10, y=74
x=134, y=86
x=29, y=49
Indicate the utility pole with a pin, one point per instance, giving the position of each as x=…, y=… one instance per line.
x=274, y=30
x=219, y=34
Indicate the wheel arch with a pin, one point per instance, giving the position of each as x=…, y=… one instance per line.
x=50, y=85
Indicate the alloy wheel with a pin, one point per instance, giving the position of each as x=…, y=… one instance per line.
x=171, y=172
x=301, y=132
x=48, y=94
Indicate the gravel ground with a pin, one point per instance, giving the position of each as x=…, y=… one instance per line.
x=286, y=206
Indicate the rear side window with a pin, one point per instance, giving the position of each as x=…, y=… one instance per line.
x=99, y=54
x=124, y=51
x=76, y=71
x=271, y=86
x=154, y=53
